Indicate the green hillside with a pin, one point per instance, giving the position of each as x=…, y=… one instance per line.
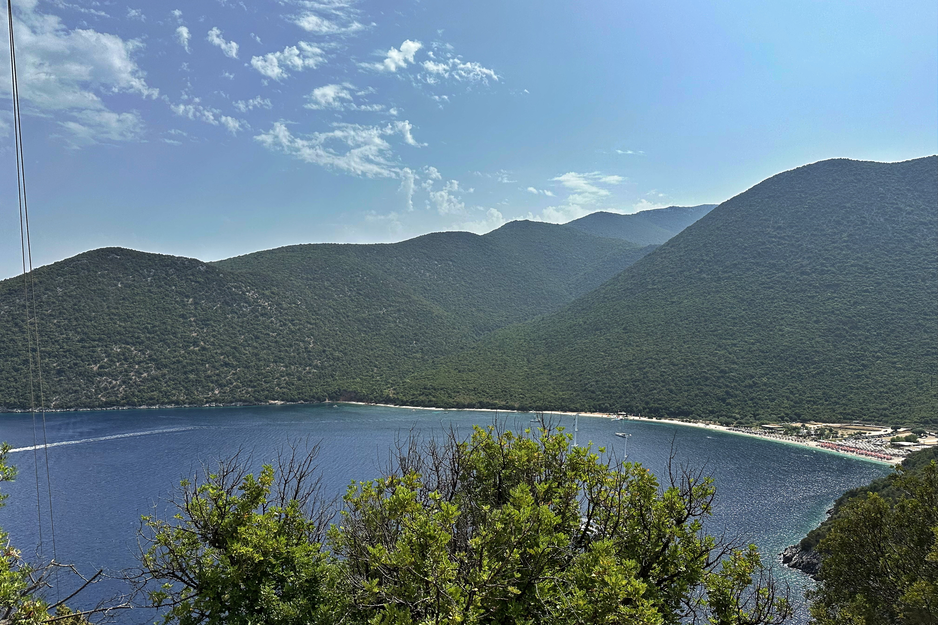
x=651, y=227
x=521, y=270
x=120, y=327
x=811, y=295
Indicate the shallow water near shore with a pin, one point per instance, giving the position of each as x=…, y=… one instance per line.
x=109, y=467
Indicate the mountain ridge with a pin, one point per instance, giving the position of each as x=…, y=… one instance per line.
x=121, y=327
x=649, y=227
x=813, y=286
x=744, y=313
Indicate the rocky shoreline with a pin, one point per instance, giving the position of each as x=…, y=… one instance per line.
x=808, y=562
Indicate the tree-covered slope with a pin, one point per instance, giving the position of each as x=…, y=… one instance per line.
x=512, y=274
x=119, y=327
x=811, y=295
x=650, y=227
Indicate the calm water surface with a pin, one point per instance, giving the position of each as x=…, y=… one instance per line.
x=110, y=467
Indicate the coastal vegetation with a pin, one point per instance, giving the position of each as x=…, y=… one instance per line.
x=885, y=488
x=499, y=527
x=880, y=552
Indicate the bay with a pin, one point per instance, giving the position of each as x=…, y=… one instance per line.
x=107, y=468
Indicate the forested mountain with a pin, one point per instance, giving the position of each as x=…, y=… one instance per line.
x=119, y=327
x=811, y=295
x=651, y=227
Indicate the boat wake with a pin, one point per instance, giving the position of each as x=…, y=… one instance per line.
x=104, y=438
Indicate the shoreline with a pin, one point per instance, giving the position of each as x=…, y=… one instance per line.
x=599, y=415
x=692, y=424
x=807, y=444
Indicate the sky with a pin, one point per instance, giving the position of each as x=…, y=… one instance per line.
x=212, y=128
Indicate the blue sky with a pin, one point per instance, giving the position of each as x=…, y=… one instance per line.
x=215, y=128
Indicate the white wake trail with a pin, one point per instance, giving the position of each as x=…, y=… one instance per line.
x=103, y=438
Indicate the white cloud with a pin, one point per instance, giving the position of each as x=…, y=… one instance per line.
x=645, y=205
x=62, y=4
x=443, y=65
x=177, y=14
x=233, y=125
x=317, y=25
x=454, y=67
x=339, y=98
x=183, y=36
x=75, y=73
x=93, y=126
x=562, y=214
x=406, y=130
x=194, y=110
x=254, y=103
x=585, y=187
x=446, y=202
x=350, y=148
x=540, y=191
x=407, y=187
x=585, y=191
x=175, y=133
x=330, y=97
x=492, y=219
x=397, y=58
x=229, y=48
x=502, y=175
x=275, y=65
x=391, y=222
x=136, y=14
x=632, y=152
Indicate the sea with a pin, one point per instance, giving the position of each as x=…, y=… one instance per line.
x=107, y=468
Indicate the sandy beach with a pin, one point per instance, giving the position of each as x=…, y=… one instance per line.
x=692, y=424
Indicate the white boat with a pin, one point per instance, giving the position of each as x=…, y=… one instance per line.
x=626, y=436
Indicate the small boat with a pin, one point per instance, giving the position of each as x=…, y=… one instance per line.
x=623, y=434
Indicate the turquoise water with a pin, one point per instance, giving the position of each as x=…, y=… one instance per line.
x=109, y=467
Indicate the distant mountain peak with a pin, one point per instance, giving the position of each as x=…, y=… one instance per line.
x=649, y=227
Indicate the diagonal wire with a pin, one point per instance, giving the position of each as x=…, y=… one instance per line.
x=29, y=285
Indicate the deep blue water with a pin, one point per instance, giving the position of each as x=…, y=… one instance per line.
x=113, y=466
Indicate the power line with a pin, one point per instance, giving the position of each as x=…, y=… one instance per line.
x=29, y=288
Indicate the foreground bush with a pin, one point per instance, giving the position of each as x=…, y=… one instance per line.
x=881, y=556
x=496, y=528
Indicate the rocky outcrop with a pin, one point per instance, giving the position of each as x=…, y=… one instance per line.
x=806, y=561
